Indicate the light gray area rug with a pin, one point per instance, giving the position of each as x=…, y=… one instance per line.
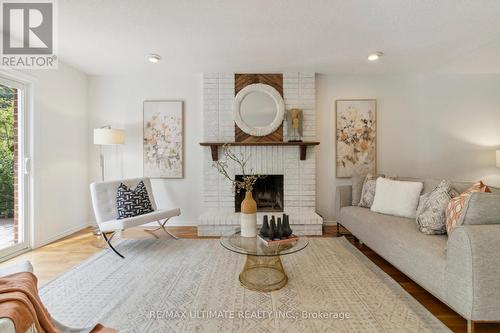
x=192, y=286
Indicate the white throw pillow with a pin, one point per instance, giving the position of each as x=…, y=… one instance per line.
x=394, y=197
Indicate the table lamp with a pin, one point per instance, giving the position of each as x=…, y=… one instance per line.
x=106, y=136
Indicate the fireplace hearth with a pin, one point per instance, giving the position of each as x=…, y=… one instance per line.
x=267, y=192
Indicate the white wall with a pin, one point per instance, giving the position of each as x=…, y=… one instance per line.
x=435, y=126
x=439, y=126
x=117, y=101
x=61, y=197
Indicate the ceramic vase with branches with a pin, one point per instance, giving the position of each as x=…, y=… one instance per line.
x=248, y=216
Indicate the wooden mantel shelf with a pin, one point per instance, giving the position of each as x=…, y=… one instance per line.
x=214, y=146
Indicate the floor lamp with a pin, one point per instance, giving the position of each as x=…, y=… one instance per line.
x=107, y=136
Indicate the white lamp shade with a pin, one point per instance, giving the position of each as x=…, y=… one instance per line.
x=498, y=158
x=108, y=136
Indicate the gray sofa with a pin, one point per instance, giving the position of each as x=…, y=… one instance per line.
x=6, y=324
x=462, y=270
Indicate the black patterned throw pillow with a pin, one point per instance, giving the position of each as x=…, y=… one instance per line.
x=131, y=203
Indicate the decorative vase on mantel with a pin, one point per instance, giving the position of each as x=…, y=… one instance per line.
x=248, y=216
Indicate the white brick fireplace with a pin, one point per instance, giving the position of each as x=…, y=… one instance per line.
x=299, y=177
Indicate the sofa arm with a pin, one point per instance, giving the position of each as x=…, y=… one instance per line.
x=343, y=198
x=473, y=271
x=19, y=267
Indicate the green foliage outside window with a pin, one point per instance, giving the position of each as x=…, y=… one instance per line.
x=7, y=141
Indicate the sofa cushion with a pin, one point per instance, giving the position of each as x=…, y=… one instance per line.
x=22, y=266
x=494, y=190
x=121, y=224
x=397, y=198
x=431, y=211
x=456, y=205
x=358, y=180
x=368, y=193
x=481, y=208
x=421, y=257
x=430, y=184
x=6, y=324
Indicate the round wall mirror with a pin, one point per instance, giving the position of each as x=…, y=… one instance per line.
x=258, y=109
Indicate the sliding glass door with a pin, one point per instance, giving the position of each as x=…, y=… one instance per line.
x=14, y=177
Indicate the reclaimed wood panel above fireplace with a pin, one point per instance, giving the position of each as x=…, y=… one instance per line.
x=243, y=80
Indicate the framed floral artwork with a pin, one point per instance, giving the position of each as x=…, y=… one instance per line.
x=163, y=154
x=356, y=136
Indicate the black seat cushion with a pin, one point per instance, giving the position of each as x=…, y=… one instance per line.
x=131, y=203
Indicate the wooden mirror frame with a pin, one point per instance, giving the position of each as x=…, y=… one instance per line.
x=264, y=130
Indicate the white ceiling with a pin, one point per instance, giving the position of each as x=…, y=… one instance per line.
x=325, y=36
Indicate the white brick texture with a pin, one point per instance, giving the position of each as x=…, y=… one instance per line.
x=299, y=176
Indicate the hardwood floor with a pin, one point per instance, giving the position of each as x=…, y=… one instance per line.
x=56, y=258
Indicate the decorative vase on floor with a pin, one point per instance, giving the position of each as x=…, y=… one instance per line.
x=248, y=218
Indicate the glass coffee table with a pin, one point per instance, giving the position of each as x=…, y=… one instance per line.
x=263, y=270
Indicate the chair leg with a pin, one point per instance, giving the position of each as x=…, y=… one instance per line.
x=162, y=226
x=470, y=326
x=108, y=240
x=152, y=232
x=171, y=234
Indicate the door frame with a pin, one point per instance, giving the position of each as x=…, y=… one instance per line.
x=26, y=172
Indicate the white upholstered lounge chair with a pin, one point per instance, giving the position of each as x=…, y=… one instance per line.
x=106, y=212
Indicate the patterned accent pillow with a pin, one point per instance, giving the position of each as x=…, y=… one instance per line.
x=422, y=203
x=358, y=181
x=368, y=191
x=132, y=203
x=456, y=205
x=431, y=211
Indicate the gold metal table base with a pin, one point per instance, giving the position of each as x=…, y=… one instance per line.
x=263, y=273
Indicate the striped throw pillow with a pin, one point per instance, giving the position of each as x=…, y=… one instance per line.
x=456, y=205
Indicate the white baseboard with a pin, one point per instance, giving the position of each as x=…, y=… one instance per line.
x=60, y=235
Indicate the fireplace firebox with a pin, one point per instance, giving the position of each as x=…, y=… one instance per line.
x=267, y=192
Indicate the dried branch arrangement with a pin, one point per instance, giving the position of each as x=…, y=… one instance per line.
x=222, y=167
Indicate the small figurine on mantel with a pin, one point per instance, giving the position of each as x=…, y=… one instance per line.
x=294, y=122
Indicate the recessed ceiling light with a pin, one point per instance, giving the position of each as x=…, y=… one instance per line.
x=154, y=58
x=375, y=56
